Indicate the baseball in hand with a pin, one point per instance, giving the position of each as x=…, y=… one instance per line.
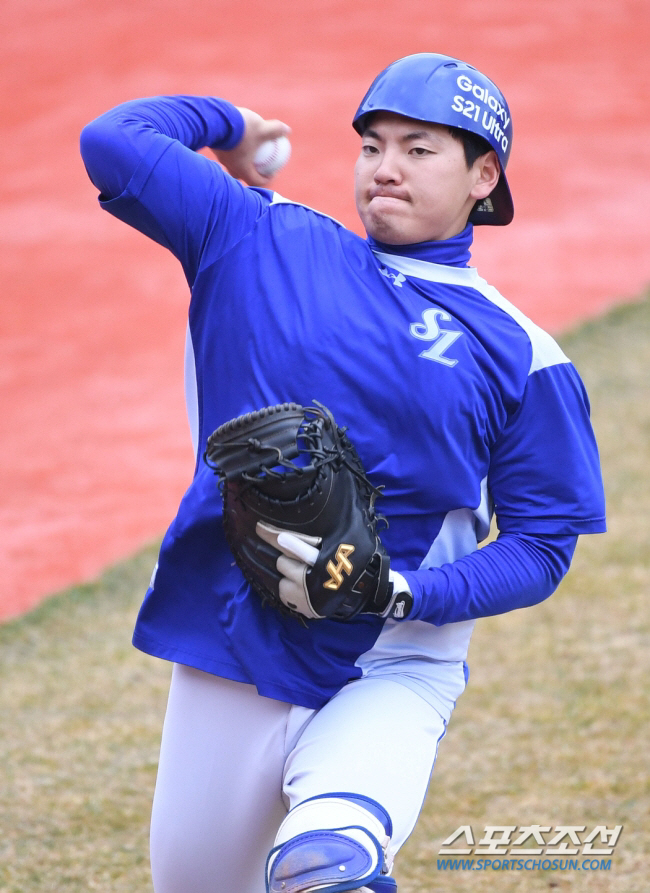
x=272, y=156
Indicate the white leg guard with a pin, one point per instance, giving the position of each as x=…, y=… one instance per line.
x=331, y=844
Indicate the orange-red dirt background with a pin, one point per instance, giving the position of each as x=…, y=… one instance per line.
x=95, y=447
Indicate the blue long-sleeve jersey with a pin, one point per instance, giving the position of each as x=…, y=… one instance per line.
x=459, y=407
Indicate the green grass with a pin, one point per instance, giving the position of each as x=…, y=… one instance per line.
x=553, y=728
x=80, y=718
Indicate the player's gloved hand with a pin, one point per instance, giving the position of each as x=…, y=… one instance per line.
x=238, y=161
x=298, y=553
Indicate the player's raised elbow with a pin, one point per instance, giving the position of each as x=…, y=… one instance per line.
x=109, y=153
x=91, y=144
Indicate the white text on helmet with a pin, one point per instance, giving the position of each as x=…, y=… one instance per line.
x=468, y=86
x=488, y=122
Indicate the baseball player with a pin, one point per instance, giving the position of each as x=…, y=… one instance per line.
x=296, y=756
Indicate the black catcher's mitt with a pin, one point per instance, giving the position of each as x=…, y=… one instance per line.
x=293, y=469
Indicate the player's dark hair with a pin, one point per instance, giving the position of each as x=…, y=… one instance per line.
x=474, y=146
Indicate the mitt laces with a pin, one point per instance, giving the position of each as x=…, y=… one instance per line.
x=320, y=457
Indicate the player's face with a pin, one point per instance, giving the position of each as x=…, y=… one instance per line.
x=412, y=183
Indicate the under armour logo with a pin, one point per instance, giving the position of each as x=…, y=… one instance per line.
x=397, y=278
x=399, y=610
x=344, y=565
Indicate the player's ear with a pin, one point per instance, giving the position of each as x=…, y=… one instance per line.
x=486, y=170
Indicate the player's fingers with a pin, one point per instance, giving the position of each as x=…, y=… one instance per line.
x=271, y=129
x=258, y=129
x=296, y=545
x=268, y=533
x=293, y=596
x=291, y=569
x=299, y=546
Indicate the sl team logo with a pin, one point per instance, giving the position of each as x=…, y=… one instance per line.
x=442, y=339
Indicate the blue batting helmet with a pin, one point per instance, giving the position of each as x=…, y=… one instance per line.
x=442, y=90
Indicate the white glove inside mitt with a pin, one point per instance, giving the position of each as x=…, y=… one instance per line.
x=298, y=552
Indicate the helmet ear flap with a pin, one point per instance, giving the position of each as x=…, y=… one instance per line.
x=439, y=89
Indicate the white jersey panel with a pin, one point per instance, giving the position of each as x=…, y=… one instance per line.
x=414, y=648
x=191, y=391
x=546, y=351
x=483, y=514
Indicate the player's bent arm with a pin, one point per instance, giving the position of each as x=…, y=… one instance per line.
x=515, y=571
x=142, y=157
x=113, y=145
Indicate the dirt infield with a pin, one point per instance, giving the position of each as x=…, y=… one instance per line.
x=95, y=445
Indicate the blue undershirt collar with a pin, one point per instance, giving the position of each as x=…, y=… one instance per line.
x=454, y=252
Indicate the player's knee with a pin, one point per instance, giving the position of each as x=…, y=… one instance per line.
x=335, y=842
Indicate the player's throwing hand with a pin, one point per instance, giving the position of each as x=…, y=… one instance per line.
x=240, y=161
